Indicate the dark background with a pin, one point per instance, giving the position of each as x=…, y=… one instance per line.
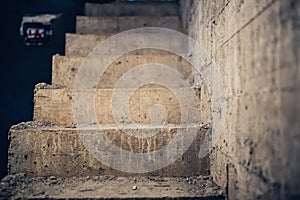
x=24, y=66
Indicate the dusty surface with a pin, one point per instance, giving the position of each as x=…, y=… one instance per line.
x=116, y=24
x=32, y=125
x=42, y=149
x=83, y=44
x=66, y=68
x=138, y=9
x=57, y=105
x=108, y=187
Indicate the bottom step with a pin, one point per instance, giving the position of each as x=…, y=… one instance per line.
x=40, y=149
x=109, y=187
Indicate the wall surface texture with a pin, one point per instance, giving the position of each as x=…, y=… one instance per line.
x=255, y=45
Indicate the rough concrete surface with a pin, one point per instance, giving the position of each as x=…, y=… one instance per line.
x=20, y=186
x=65, y=68
x=56, y=105
x=114, y=25
x=42, y=149
x=255, y=45
x=83, y=44
x=132, y=9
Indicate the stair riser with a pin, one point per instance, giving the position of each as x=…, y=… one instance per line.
x=129, y=9
x=65, y=68
x=56, y=105
x=113, y=25
x=60, y=152
x=82, y=45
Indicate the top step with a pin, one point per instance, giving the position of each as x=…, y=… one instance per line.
x=114, y=25
x=133, y=9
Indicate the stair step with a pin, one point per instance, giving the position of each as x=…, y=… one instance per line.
x=65, y=68
x=83, y=44
x=40, y=149
x=55, y=105
x=113, y=25
x=109, y=187
x=132, y=9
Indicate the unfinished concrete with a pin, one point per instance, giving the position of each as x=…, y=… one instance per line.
x=113, y=25
x=65, y=68
x=255, y=45
x=53, y=144
x=110, y=187
x=56, y=105
x=82, y=45
x=44, y=150
x=132, y=9
x=55, y=149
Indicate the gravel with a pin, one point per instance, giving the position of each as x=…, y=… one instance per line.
x=19, y=186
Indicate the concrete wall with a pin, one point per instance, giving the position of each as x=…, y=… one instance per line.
x=255, y=45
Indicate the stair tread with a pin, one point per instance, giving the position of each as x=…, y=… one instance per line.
x=110, y=187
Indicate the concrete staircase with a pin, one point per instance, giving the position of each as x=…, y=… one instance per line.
x=51, y=146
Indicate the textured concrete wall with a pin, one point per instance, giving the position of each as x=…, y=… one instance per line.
x=109, y=25
x=39, y=149
x=132, y=9
x=255, y=45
